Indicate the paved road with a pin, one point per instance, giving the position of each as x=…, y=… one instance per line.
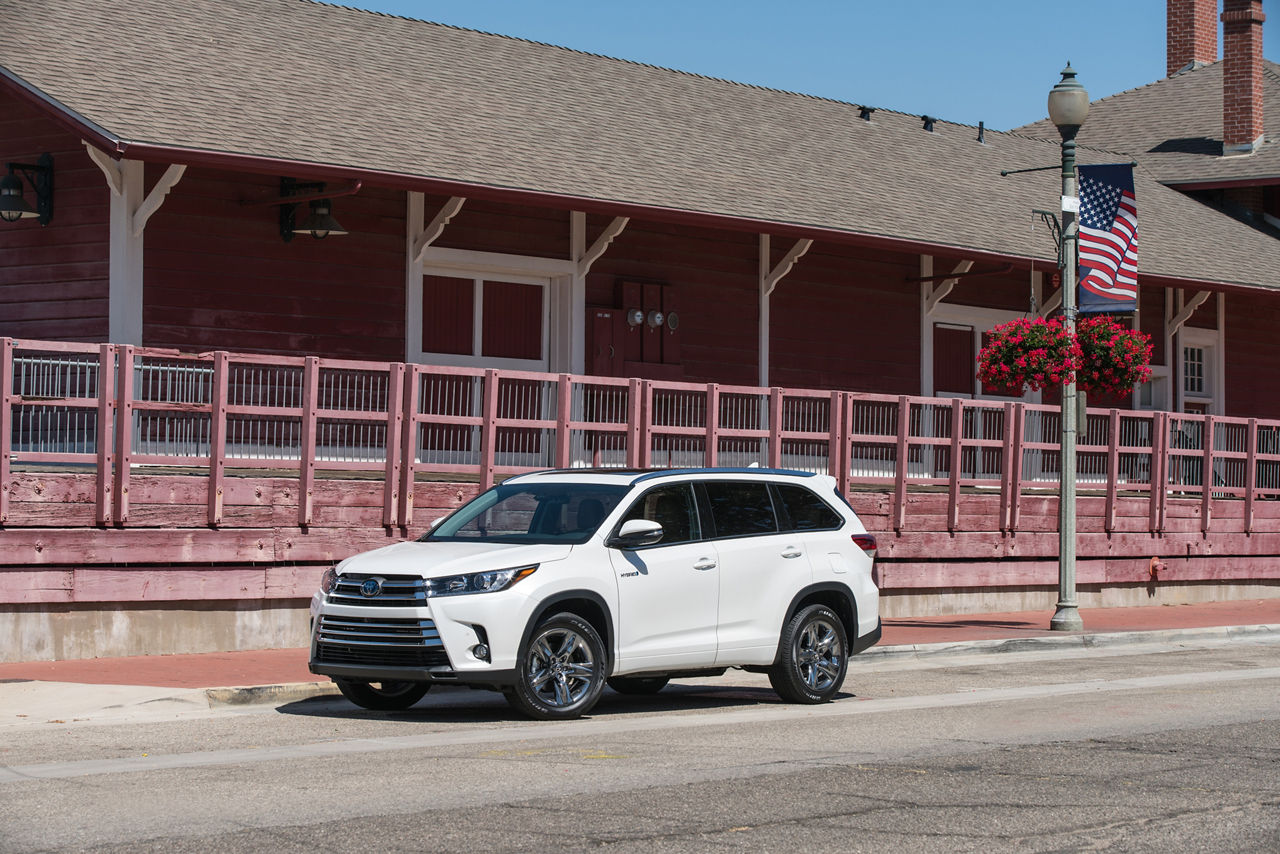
x=1169, y=749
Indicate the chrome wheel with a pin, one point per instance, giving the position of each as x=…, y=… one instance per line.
x=821, y=655
x=561, y=674
x=812, y=656
x=561, y=667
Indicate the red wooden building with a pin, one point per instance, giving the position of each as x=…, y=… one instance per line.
x=494, y=204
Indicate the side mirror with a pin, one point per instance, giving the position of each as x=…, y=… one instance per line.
x=636, y=533
x=435, y=523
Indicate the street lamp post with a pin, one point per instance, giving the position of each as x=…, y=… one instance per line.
x=1068, y=107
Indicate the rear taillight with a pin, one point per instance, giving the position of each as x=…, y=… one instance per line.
x=867, y=543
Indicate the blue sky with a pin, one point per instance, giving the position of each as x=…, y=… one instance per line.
x=981, y=60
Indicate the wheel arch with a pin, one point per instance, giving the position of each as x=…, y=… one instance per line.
x=588, y=605
x=835, y=596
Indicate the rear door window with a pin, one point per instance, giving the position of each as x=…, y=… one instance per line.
x=740, y=509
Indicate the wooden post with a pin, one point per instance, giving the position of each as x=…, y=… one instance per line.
x=900, y=473
x=957, y=458
x=1019, y=453
x=123, y=433
x=409, y=444
x=838, y=443
x=646, y=421
x=105, y=479
x=1206, y=476
x=1250, y=474
x=395, y=424
x=218, y=435
x=635, y=430
x=712, y=451
x=1113, y=467
x=775, y=428
x=489, y=429
x=1007, y=484
x=1159, y=463
x=6, y=428
x=307, y=457
x=564, y=409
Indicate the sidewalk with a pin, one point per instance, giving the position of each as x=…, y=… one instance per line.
x=281, y=675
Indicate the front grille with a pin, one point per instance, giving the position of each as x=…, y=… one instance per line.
x=379, y=642
x=396, y=592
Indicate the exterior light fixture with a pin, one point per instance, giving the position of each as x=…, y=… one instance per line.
x=39, y=175
x=319, y=223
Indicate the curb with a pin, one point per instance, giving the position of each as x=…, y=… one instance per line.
x=290, y=692
x=1101, y=640
x=297, y=691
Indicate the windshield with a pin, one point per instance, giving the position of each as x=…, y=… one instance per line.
x=531, y=513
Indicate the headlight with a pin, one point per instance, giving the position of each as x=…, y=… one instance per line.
x=327, y=580
x=478, y=582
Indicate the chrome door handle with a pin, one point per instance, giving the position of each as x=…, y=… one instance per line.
x=705, y=563
x=792, y=554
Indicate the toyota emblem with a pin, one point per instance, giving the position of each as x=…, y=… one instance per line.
x=371, y=587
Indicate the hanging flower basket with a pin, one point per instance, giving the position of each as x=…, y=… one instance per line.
x=1027, y=353
x=1114, y=358
x=1107, y=357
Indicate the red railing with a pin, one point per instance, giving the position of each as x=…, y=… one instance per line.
x=114, y=408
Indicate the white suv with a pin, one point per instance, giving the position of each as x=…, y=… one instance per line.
x=552, y=584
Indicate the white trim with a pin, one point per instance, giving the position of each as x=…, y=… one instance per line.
x=937, y=294
x=415, y=207
x=550, y=287
x=981, y=319
x=1208, y=341
x=496, y=263
x=110, y=168
x=429, y=235
x=767, y=280
x=125, y=258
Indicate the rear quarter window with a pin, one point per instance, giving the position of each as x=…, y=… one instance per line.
x=804, y=511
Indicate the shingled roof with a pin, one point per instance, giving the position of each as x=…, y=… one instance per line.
x=300, y=82
x=1174, y=128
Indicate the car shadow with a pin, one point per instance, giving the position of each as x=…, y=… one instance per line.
x=453, y=704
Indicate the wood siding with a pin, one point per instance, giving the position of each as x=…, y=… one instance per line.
x=1252, y=353
x=53, y=279
x=219, y=276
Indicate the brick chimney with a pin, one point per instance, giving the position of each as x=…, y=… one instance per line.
x=1191, y=34
x=1242, y=76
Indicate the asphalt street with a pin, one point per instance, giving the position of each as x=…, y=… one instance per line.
x=1152, y=749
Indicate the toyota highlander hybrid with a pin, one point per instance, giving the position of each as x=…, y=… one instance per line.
x=552, y=584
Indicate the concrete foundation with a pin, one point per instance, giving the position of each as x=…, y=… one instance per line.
x=54, y=632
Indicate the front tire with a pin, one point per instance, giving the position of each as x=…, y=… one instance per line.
x=561, y=674
x=813, y=657
x=383, y=696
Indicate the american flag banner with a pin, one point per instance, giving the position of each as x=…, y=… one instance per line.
x=1108, y=239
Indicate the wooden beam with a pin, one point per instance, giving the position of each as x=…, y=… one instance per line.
x=783, y=267
x=156, y=197
x=611, y=231
x=111, y=168
x=433, y=231
x=939, y=293
x=1180, y=319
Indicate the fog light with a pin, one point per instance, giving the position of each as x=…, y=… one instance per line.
x=481, y=651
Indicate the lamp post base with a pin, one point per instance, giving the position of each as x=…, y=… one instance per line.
x=1066, y=619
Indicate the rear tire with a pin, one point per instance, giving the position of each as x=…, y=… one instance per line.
x=638, y=685
x=813, y=657
x=383, y=696
x=561, y=674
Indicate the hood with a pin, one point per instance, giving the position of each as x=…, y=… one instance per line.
x=436, y=560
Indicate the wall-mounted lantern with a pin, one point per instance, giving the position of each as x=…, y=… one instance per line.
x=319, y=223
x=39, y=175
